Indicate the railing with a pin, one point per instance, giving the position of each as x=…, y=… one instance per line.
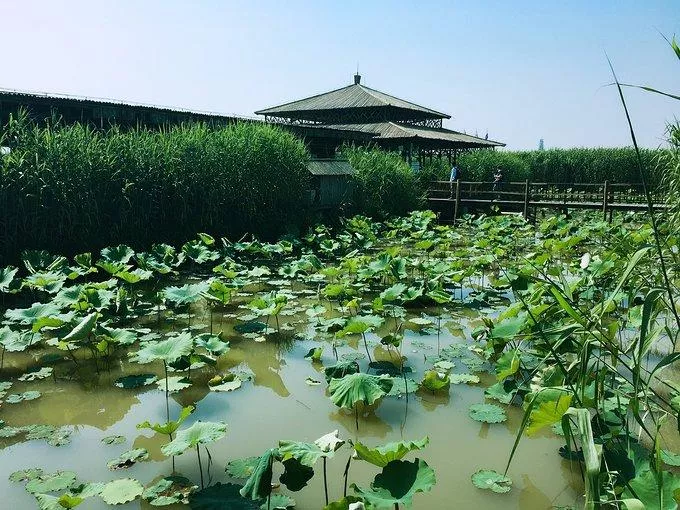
x=523, y=196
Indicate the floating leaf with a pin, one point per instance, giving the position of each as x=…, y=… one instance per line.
x=43, y=373
x=436, y=381
x=128, y=459
x=487, y=413
x=314, y=354
x=25, y=475
x=15, y=398
x=175, y=383
x=464, y=378
x=170, y=490
x=59, y=481
x=489, y=479
x=278, y=502
x=121, y=491
x=312, y=382
x=201, y=432
x=227, y=384
x=135, y=381
x=400, y=386
x=113, y=439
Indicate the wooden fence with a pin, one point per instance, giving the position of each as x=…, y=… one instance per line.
x=525, y=197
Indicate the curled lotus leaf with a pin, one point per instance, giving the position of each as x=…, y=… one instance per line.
x=436, y=381
x=58, y=481
x=201, y=432
x=259, y=484
x=82, y=329
x=128, y=459
x=489, y=479
x=382, y=455
x=124, y=490
x=487, y=413
x=170, y=490
x=359, y=387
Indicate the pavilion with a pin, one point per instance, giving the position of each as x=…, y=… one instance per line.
x=392, y=123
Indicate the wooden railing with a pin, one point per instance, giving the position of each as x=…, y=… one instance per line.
x=525, y=196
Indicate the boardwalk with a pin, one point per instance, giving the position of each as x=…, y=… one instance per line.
x=526, y=197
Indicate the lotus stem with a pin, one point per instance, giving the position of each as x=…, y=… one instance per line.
x=2, y=359
x=167, y=392
x=345, y=474
x=356, y=416
x=200, y=466
x=325, y=481
x=366, y=346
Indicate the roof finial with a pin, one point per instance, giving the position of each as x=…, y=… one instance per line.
x=357, y=76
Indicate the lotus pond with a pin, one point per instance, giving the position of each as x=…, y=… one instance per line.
x=402, y=364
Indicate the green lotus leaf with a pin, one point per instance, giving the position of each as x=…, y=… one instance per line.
x=113, y=439
x=647, y=490
x=15, y=341
x=345, y=503
x=212, y=343
x=440, y=296
x=359, y=387
x=242, y=468
x=7, y=275
x=170, y=490
x=314, y=354
x=135, y=381
x=58, y=481
x=421, y=321
x=66, y=501
x=382, y=455
x=547, y=413
x=121, y=254
x=227, y=384
x=507, y=364
x=278, y=501
x=15, y=398
x=309, y=453
x=122, y=336
x=436, y=381
x=134, y=276
x=168, y=350
x=497, y=392
x=464, y=379
x=201, y=432
x=199, y=252
x=361, y=324
x=400, y=387
x=186, y=294
x=488, y=479
x=33, y=314
x=25, y=475
x=341, y=369
x=219, y=292
x=259, y=484
x=83, y=329
x=221, y=496
x=393, y=293
x=175, y=383
x=42, y=373
x=171, y=426
x=121, y=491
x=48, y=281
x=128, y=459
x=296, y=474
x=487, y=413
x=60, y=437
x=87, y=490
x=250, y=327
x=38, y=431
x=398, y=482
x=509, y=327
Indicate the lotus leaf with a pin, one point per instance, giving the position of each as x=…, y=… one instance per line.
x=135, y=381
x=464, y=378
x=670, y=458
x=221, y=496
x=296, y=474
x=227, y=384
x=7, y=275
x=15, y=398
x=169, y=491
x=400, y=386
x=42, y=373
x=242, y=468
x=359, y=387
x=83, y=329
x=113, y=439
x=436, y=381
x=25, y=475
x=59, y=481
x=168, y=350
x=186, y=294
x=121, y=254
x=398, y=482
x=259, y=484
x=212, y=343
x=33, y=314
x=128, y=459
x=547, y=413
x=346, y=503
x=201, y=432
x=382, y=455
x=489, y=479
x=507, y=364
x=66, y=501
x=121, y=491
x=487, y=413
x=341, y=369
x=361, y=324
x=14, y=341
x=314, y=354
x=497, y=392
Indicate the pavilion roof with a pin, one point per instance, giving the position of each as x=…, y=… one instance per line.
x=438, y=136
x=355, y=96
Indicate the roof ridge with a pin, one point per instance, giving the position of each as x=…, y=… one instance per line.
x=370, y=91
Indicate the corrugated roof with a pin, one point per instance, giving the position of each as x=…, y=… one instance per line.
x=394, y=130
x=352, y=96
x=329, y=167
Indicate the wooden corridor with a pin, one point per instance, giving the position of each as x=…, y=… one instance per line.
x=526, y=197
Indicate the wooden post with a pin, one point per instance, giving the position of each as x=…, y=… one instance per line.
x=605, y=200
x=525, y=212
x=457, y=203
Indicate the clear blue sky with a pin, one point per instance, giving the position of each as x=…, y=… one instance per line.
x=522, y=70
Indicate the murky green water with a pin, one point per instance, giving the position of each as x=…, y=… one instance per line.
x=278, y=404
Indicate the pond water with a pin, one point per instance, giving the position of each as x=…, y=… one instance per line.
x=277, y=403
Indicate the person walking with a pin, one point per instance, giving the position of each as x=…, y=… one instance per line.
x=497, y=179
